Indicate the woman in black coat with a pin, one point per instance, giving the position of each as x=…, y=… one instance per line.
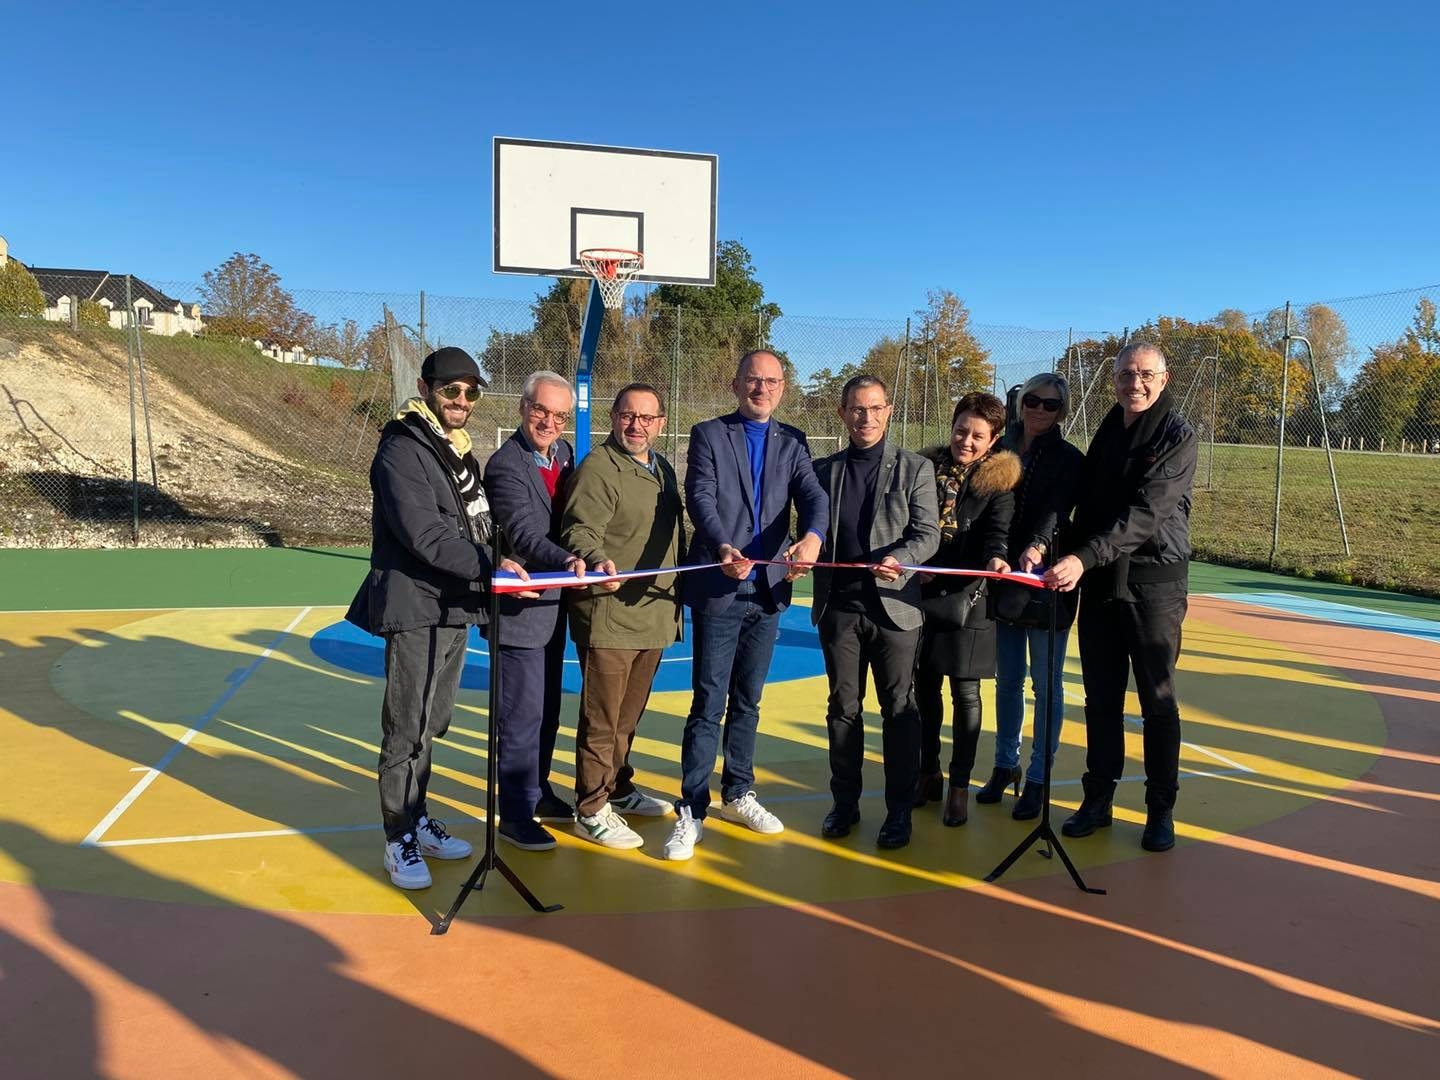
x=975, y=480
x=1043, y=502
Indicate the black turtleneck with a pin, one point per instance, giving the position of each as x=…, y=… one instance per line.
x=854, y=590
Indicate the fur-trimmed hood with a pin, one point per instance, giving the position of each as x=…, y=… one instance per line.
x=1000, y=470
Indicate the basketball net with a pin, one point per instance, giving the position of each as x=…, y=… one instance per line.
x=612, y=269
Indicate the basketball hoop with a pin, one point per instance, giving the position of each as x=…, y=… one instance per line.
x=612, y=269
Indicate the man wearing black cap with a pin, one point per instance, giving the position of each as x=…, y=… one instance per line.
x=429, y=566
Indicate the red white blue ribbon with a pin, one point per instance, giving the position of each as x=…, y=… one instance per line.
x=506, y=582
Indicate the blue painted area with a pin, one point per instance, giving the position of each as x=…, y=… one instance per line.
x=1343, y=614
x=797, y=655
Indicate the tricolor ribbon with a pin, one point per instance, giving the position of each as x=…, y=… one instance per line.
x=506, y=582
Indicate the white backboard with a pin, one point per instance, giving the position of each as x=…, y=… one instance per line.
x=554, y=200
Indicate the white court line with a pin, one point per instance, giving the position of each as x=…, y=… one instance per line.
x=258, y=834
x=236, y=681
x=1218, y=757
x=171, y=607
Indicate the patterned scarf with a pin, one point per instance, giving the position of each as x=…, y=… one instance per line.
x=951, y=479
x=455, y=451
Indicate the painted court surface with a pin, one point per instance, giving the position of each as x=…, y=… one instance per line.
x=190, y=875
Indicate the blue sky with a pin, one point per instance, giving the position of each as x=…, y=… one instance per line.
x=1053, y=164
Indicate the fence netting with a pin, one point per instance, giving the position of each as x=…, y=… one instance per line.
x=219, y=430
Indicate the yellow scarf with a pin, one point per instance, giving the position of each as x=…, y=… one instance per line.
x=459, y=437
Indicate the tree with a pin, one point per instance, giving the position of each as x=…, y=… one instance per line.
x=711, y=328
x=242, y=298
x=348, y=347
x=20, y=293
x=1396, y=393
x=944, y=353
x=1320, y=325
x=92, y=313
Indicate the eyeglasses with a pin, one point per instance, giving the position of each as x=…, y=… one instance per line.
x=1130, y=375
x=860, y=412
x=645, y=420
x=539, y=412
x=769, y=383
x=455, y=389
x=1049, y=404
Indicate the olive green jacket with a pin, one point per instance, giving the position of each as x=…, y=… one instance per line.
x=616, y=509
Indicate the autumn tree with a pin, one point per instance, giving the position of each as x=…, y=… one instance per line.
x=1396, y=393
x=945, y=351
x=243, y=298
x=348, y=347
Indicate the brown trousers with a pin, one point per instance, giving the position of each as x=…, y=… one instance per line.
x=614, y=688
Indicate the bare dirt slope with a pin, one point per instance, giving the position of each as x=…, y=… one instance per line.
x=65, y=459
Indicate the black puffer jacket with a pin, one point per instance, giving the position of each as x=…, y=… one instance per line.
x=1133, y=512
x=425, y=567
x=1046, y=494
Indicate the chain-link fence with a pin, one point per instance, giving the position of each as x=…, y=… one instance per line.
x=259, y=426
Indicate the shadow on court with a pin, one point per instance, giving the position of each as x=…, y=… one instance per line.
x=268, y=984
x=1251, y=951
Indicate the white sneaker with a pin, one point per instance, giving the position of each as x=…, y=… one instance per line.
x=608, y=829
x=637, y=802
x=436, y=842
x=747, y=811
x=404, y=864
x=687, y=833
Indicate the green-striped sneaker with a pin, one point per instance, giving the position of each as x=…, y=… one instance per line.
x=608, y=829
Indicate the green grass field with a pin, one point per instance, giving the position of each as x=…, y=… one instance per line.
x=1391, y=504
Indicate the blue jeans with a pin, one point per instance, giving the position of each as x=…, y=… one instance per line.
x=732, y=657
x=1011, y=643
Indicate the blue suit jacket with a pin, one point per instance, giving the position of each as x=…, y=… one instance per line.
x=531, y=520
x=719, y=499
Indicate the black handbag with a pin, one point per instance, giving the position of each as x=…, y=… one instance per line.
x=1024, y=605
x=951, y=603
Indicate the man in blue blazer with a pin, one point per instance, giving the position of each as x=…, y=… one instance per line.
x=522, y=479
x=744, y=472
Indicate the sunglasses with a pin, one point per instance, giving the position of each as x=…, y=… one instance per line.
x=1049, y=404
x=455, y=389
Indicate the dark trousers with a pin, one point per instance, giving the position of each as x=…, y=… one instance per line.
x=854, y=644
x=530, y=704
x=733, y=648
x=554, y=676
x=614, y=687
x=1116, y=635
x=422, y=675
x=520, y=720
x=965, y=700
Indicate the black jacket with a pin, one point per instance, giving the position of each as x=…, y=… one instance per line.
x=1046, y=495
x=1132, y=518
x=978, y=533
x=425, y=567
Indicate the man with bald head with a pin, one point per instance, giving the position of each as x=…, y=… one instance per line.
x=745, y=472
x=1131, y=546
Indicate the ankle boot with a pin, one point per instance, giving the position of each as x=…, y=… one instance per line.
x=957, y=806
x=999, y=780
x=1030, y=803
x=1159, y=834
x=1094, y=812
x=930, y=787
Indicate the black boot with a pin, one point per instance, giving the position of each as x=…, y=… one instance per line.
x=1030, y=803
x=1159, y=832
x=999, y=780
x=1094, y=812
x=895, y=833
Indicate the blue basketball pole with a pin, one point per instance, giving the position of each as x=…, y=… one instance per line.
x=589, y=340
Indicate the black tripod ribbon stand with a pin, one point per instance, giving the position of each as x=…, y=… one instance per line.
x=1043, y=831
x=489, y=858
